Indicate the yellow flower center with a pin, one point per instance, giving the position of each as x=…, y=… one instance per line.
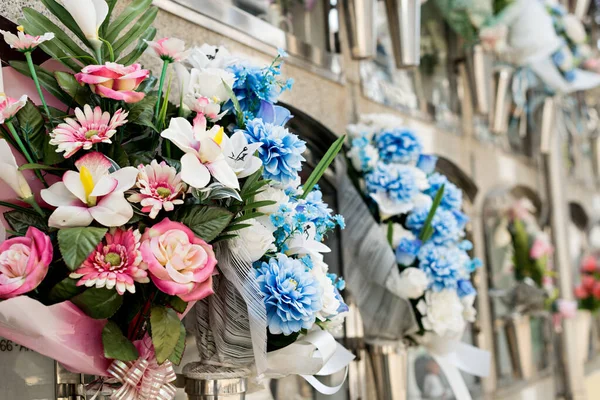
x=219, y=136
x=88, y=185
x=294, y=282
x=163, y=192
x=20, y=28
x=113, y=259
x=90, y=133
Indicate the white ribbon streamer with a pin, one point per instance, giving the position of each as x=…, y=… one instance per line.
x=317, y=353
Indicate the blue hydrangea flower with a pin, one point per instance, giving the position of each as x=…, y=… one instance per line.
x=453, y=196
x=461, y=218
x=465, y=288
x=416, y=219
x=395, y=180
x=398, y=146
x=363, y=155
x=291, y=294
x=465, y=245
x=441, y=266
x=445, y=227
x=281, y=150
x=427, y=163
x=407, y=250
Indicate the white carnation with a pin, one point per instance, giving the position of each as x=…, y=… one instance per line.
x=574, y=29
x=253, y=241
x=443, y=314
x=412, y=283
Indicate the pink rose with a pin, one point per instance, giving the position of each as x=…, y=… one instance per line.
x=588, y=264
x=114, y=81
x=179, y=263
x=24, y=262
x=581, y=292
x=541, y=247
x=588, y=281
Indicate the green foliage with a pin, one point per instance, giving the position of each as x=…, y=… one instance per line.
x=130, y=13
x=76, y=244
x=525, y=266
x=139, y=49
x=116, y=345
x=239, y=114
x=137, y=30
x=64, y=290
x=46, y=79
x=206, y=222
x=166, y=330
x=20, y=221
x=31, y=124
x=65, y=17
x=177, y=353
x=427, y=230
x=320, y=169
x=98, y=303
x=69, y=85
x=178, y=304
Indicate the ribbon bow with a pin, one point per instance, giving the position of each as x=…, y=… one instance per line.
x=143, y=379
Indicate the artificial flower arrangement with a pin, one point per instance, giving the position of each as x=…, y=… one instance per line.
x=588, y=291
x=123, y=198
x=420, y=211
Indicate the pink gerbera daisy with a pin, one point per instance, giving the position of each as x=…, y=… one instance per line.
x=89, y=127
x=160, y=187
x=115, y=263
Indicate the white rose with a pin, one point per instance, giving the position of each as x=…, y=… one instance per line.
x=412, y=284
x=273, y=194
x=469, y=313
x=335, y=324
x=443, y=314
x=253, y=241
x=208, y=82
x=329, y=298
x=574, y=29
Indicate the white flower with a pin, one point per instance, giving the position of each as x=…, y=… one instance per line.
x=398, y=234
x=88, y=15
x=443, y=314
x=273, y=194
x=412, y=283
x=24, y=42
x=207, y=56
x=255, y=240
x=10, y=174
x=240, y=155
x=9, y=107
x=388, y=207
x=303, y=243
x=329, y=298
x=469, y=313
x=359, y=154
x=356, y=130
x=335, y=324
x=574, y=29
x=169, y=49
x=208, y=83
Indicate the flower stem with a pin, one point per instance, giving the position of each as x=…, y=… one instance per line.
x=37, y=85
x=31, y=201
x=160, y=88
x=17, y=138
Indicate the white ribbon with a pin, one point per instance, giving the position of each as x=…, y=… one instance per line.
x=452, y=356
x=317, y=353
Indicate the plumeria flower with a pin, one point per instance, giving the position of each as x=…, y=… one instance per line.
x=89, y=127
x=24, y=42
x=115, y=263
x=304, y=243
x=9, y=107
x=93, y=193
x=203, y=152
x=89, y=16
x=160, y=187
x=10, y=174
x=240, y=154
x=169, y=49
x=205, y=106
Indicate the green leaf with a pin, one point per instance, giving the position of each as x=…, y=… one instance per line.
x=118, y=155
x=139, y=49
x=46, y=79
x=136, y=30
x=224, y=237
x=166, y=331
x=69, y=85
x=390, y=233
x=178, y=305
x=104, y=26
x=177, y=354
x=65, y=17
x=236, y=105
x=42, y=167
x=40, y=25
x=32, y=128
x=76, y=244
x=17, y=207
x=131, y=12
x=116, y=345
x=65, y=290
x=206, y=222
x=258, y=204
x=21, y=221
x=320, y=169
x=247, y=216
x=236, y=227
x=427, y=229
x=142, y=112
x=98, y=303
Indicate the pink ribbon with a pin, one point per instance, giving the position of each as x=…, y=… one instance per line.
x=143, y=379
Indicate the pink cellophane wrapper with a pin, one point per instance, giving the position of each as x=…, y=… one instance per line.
x=61, y=331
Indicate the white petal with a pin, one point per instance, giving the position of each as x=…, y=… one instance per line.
x=193, y=172
x=112, y=210
x=126, y=178
x=101, y=11
x=180, y=132
x=70, y=216
x=58, y=195
x=10, y=174
x=72, y=181
x=251, y=167
x=106, y=185
x=222, y=172
x=84, y=14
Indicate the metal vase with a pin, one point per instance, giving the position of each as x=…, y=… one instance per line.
x=207, y=382
x=389, y=365
x=518, y=335
x=360, y=17
x=480, y=74
x=502, y=100
x=404, y=21
x=69, y=385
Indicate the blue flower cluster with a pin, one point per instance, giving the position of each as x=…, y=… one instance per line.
x=398, y=146
x=453, y=196
x=292, y=294
x=281, y=150
x=396, y=180
x=360, y=146
x=255, y=85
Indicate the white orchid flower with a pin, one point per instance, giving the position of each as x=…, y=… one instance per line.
x=240, y=154
x=203, y=152
x=211, y=83
x=93, y=193
x=10, y=174
x=89, y=15
x=304, y=243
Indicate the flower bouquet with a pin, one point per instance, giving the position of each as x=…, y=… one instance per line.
x=422, y=227
x=127, y=196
